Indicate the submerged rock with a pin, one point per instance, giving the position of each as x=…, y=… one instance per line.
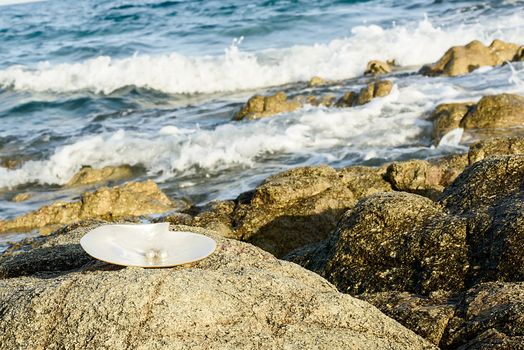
x=266, y=106
x=87, y=175
x=131, y=199
x=239, y=297
x=376, y=67
x=366, y=94
x=317, y=81
x=460, y=60
x=491, y=112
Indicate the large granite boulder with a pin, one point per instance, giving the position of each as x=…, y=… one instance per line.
x=239, y=297
x=109, y=203
x=460, y=60
x=292, y=208
x=404, y=242
x=416, y=259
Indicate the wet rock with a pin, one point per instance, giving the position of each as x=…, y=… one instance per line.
x=22, y=197
x=301, y=206
x=448, y=116
x=491, y=112
x=376, y=67
x=375, y=89
x=496, y=111
x=266, y=106
x=491, y=318
x=317, y=81
x=402, y=242
x=87, y=175
x=239, y=297
x=429, y=317
x=397, y=242
x=131, y=199
x=460, y=60
x=495, y=146
x=426, y=177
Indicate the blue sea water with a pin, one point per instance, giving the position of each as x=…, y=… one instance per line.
x=154, y=84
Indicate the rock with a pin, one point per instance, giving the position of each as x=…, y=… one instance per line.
x=131, y=199
x=22, y=197
x=327, y=100
x=376, y=67
x=426, y=177
x=372, y=90
x=448, y=116
x=496, y=111
x=491, y=318
x=239, y=297
x=495, y=146
x=301, y=206
x=429, y=317
x=397, y=242
x=266, y=106
x=402, y=242
x=87, y=175
x=460, y=60
x=317, y=81
x=488, y=316
x=491, y=112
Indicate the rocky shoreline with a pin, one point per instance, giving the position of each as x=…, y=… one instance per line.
x=307, y=258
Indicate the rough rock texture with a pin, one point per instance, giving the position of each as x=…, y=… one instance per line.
x=131, y=199
x=366, y=94
x=495, y=146
x=301, y=206
x=376, y=67
x=403, y=242
x=426, y=177
x=397, y=242
x=239, y=297
x=87, y=175
x=266, y=106
x=409, y=249
x=429, y=317
x=496, y=111
x=447, y=117
x=488, y=316
x=491, y=112
x=460, y=60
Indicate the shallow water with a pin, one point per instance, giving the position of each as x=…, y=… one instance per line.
x=155, y=84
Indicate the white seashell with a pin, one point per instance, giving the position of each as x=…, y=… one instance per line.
x=147, y=245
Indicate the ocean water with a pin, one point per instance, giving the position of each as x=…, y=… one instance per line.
x=154, y=84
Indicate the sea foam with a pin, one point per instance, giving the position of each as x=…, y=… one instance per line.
x=310, y=132
x=409, y=45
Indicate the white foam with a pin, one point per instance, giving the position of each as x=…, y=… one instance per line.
x=319, y=133
x=451, y=138
x=236, y=70
x=16, y=2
